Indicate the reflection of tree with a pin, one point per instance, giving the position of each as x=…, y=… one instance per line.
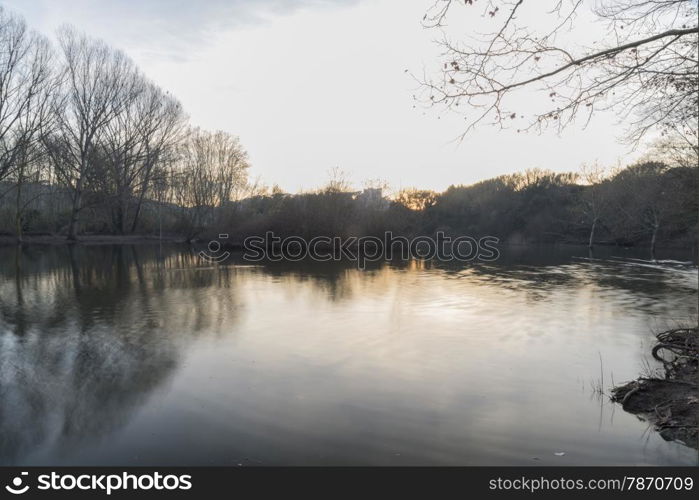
x=539, y=271
x=332, y=280
x=542, y=271
x=87, y=334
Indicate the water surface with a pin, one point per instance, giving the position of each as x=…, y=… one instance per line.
x=147, y=356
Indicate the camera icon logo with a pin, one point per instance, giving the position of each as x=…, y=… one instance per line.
x=16, y=487
x=213, y=253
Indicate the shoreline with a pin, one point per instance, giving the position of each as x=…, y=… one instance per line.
x=669, y=404
x=133, y=239
x=56, y=240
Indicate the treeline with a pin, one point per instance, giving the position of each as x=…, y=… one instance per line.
x=647, y=203
x=88, y=143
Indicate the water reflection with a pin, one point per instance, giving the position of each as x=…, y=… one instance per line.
x=87, y=334
x=145, y=355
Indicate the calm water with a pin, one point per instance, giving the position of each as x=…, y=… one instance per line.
x=123, y=355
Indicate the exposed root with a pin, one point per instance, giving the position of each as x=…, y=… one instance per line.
x=672, y=403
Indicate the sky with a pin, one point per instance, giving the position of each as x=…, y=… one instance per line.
x=314, y=85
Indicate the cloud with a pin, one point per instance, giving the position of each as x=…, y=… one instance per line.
x=162, y=28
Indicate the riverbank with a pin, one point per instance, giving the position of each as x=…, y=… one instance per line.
x=103, y=239
x=670, y=404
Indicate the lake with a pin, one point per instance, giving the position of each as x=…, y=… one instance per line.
x=145, y=355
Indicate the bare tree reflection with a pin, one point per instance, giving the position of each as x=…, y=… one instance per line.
x=86, y=336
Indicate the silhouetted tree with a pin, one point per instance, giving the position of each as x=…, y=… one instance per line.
x=26, y=86
x=644, y=66
x=416, y=199
x=98, y=84
x=594, y=198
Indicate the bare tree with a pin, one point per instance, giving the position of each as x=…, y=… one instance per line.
x=647, y=196
x=211, y=172
x=644, y=66
x=677, y=147
x=118, y=156
x=30, y=162
x=25, y=90
x=594, y=198
x=228, y=162
x=98, y=82
x=133, y=142
x=338, y=182
x=162, y=128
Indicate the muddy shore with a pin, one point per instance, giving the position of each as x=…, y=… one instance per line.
x=670, y=404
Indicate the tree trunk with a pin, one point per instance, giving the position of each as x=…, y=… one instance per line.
x=137, y=213
x=653, y=241
x=141, y=196
x=592, y=234
x=18, y=206
x=77, y=200
x=123, y=213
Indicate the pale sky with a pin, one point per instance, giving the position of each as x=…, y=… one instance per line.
x=309, y=85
